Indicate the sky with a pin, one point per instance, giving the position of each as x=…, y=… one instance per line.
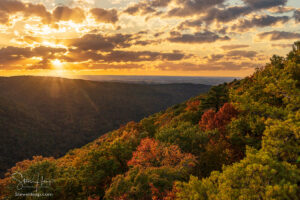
x=147, y=37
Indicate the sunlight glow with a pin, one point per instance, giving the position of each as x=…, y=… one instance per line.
x=57, y=64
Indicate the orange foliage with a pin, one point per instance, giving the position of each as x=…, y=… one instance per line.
x=163, y=119
x=192, y=105
x=151, y=153
x=208, y=120
x=211, y=120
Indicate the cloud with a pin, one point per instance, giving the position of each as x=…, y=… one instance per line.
x=216, y=57
x=146, y=7
x=211, y=66
x=4, y=17
x=262, y=4
x=183, y=7
x=11, y=7
x=61, y=13
x=138, y=56
x=15, y=55
x=139, y=9
x=199, y=37
x=106, y=16
x=217, y=15
x=114, y=66
x=37, y=10
x=212, y=13
x=47, y=51
x=234, y=54
x=190, y=23
x=234, y=46
x=281, y=9
x=225, y=15
x=260, y=21
x=122, y=56
x=147, y=42
x=282, y=45
x=297, y=16
x=100, y=42
x=192, y=7
x=278, y=35
x=12, y=54
x=240, y=53
x=65, y=14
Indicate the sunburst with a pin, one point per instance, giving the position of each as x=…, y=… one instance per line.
x=57, y=64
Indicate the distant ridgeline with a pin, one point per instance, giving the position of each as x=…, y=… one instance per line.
x=238, y=141
x=160, y=79
x=49, y=116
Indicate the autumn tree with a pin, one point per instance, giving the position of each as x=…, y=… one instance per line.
x=211, y=120
x=151, y=153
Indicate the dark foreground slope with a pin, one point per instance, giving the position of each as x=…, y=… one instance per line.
x=48, y=116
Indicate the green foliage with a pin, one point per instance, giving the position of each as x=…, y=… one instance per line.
x=282, y=139
x=141, y=183
x=216, y=97
x=258, y=176
x=188, y=137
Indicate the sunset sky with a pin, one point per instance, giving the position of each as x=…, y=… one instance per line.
x=151, y=37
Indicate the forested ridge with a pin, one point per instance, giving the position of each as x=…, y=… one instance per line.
x=48, y=116
x=238, y=141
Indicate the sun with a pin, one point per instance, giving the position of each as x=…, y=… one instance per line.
x=58, y=68
x=57, y=64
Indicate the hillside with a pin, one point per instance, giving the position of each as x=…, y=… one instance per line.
x=238, y=141
x=49, y=116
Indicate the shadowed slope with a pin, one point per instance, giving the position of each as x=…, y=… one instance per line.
x=48, y=116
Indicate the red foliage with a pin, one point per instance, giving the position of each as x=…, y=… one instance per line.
x=219, y=144
x=208, y=120
x=211, y=120
x=225, y=115
x=151, y=153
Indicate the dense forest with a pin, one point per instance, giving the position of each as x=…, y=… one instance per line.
x=48, y=116
x=238, y=141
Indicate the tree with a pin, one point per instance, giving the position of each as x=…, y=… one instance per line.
x=277, y=61
x=216, y=97
x=151, y=153
x=211, y=120
x=185, y=135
